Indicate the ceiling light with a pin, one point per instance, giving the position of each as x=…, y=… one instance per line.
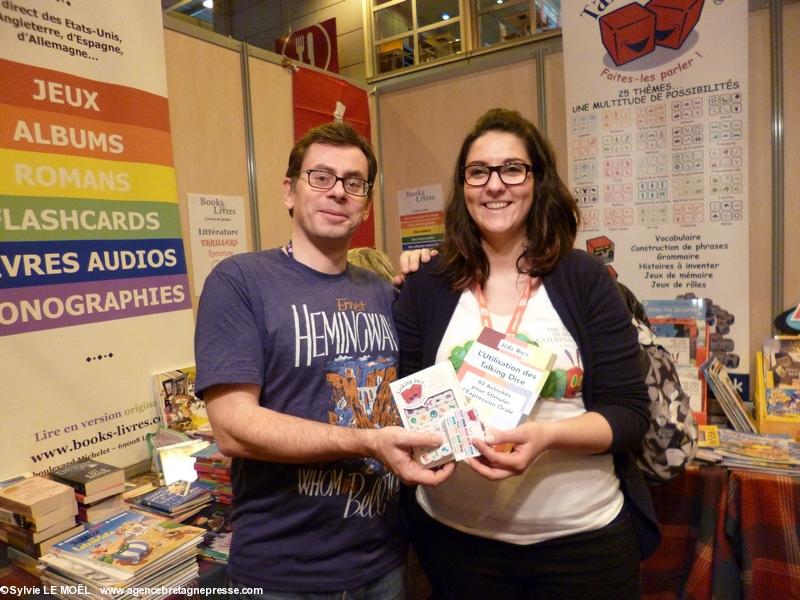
x=445, y=17
x=499, y=1
x=208, y=3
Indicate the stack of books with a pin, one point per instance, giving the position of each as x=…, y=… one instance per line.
x=141, y=484
x=214, y=470
x=178, y=500
x=777, y=386
x=755, y=452
x=681, y=327
x=216, y=520
x=98, y=488
x=128, y=551
x=728, y=396
x=35, y=513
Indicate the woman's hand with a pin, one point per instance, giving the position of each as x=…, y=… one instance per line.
x=527, y=442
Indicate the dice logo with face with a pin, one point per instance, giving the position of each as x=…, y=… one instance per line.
x=628, y=33
x=412, y=394
x=675, y=20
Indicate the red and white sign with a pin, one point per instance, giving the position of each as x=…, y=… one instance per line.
x=315, y=45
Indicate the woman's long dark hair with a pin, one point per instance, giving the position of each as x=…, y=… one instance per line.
x=551, y=224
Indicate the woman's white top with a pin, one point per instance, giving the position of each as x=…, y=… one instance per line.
x=561, y=493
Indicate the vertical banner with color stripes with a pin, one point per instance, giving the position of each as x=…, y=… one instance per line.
x=94, y=296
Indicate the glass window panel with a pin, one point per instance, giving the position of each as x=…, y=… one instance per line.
x=433, y=11
x=394, y=55
x=494, y=3
x=505, y=24
x=439, y=42
x=549, y=14
x=393, y=20
x=511, y=19
x=193, y=9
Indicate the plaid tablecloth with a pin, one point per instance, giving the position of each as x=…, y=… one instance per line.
x=763, y=523
x=726, y=535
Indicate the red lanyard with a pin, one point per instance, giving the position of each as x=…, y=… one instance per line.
x=516, y=318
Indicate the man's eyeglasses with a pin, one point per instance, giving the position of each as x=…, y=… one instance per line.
x=510, y=173
x=324, y=180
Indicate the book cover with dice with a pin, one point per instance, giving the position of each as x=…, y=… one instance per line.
x=432, y=400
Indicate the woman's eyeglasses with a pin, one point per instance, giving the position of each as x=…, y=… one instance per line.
x=510, y=173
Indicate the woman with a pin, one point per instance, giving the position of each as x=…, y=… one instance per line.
x=560, y=515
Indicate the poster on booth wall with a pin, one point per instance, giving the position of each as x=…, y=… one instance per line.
x=657, y=101
x=421, y=211
x=94, y=296
x=216, y=231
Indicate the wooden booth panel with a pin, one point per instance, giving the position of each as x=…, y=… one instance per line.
x=421, y=129
x=273, y=132
x=791, y=128
x=378, y=209
x=555, y=92
x=760, y=182
x=207, y=119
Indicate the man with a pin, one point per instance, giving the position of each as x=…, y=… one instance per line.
x=294, y=354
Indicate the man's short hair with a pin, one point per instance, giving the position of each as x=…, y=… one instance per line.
x=336, y=133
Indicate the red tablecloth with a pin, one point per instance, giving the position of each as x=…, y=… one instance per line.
x=726, y=534
x=762, y=522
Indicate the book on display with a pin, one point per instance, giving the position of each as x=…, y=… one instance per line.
x=216, y=520
x=114, y=490
x=88, y=477
x=432, y=400
x=66, y=574
x=37, y=549
x=100, y=511
x=177, y=496
x=725, y=392
x=30, y=499
x=34, y=536
x=128, y=544
x=502, y=376
x=180, y=409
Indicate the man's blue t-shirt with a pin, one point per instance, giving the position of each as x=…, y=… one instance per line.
x=322, y=347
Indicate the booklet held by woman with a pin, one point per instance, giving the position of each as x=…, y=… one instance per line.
x=502, y=377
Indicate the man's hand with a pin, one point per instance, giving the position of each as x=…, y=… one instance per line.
x=393, y=447
x=410, y=261
x=527, y=442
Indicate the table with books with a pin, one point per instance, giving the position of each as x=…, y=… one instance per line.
x=726, y=533
x=152, y=540
x=211, y=575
